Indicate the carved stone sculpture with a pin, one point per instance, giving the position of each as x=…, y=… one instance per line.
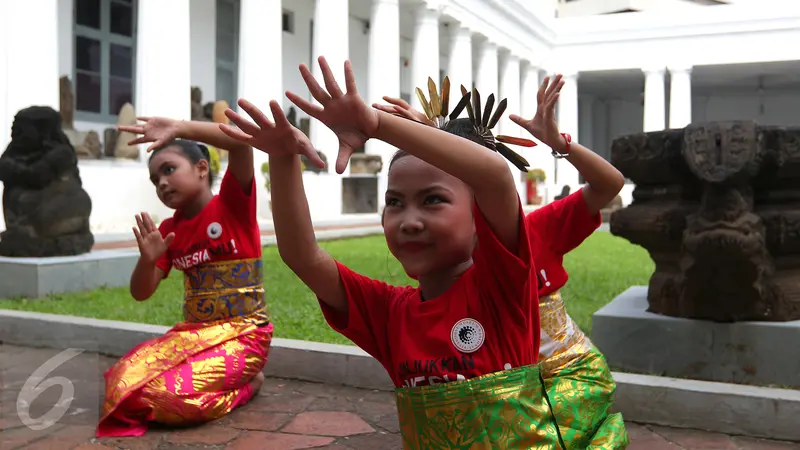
x=197, y=104
x=364, y=163
x=46, y=209
x=66, y=103
x=127, y=116
x=716, y=207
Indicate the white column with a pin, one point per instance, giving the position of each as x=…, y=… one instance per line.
x=487, y=78
x=331, y=40
x=163, y=66
x=28, y=60
x=259, y=82
x=425, y=53
x=538, y=156
x=654, y=102
x=510, y=90
x=530, y=87
x=567, y=174
x=680, y=98
x=383, y=74
x=459, y=67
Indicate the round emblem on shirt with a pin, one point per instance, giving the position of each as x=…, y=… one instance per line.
x=214, y=230
x=467, y=335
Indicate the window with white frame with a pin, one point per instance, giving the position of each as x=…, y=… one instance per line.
x=104, y=64
x=227, y=51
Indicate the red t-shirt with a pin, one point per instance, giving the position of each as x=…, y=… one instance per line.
x=479, y=326
x=554, y=230
x=226, y=229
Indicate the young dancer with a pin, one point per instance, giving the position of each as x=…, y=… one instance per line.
x=211, y=363
x=457, y=347
x=578, y=379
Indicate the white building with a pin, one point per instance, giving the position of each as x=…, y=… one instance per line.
x=668, y=63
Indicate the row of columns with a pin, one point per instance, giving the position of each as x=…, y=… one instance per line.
x=680, y=102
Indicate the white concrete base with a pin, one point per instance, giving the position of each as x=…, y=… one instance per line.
x=720, y=407
x=39, y=277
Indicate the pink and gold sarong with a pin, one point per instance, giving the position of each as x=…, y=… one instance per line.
x=201, y=369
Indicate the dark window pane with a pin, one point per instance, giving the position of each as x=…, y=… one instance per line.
x=87, y=92
x=87, y=54
x=226, y=85
x=87, y=13
x=119, y=93
x=121, y=19
x=226, y=46
x=121, y=61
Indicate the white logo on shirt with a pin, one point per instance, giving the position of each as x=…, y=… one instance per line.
x=467, y=335
x=214, y=230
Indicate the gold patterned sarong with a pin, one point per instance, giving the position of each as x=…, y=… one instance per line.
x=579, y=382
x=502, y=410
x=200, y=369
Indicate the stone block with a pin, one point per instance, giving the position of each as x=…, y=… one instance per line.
x=635, y=340
x=39, y=277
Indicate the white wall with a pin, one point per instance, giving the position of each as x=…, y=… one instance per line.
x=203, y=29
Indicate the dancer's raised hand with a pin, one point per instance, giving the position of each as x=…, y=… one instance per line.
x=543, y=126
x=158, y=130
x=151, y=244
x=400, y=107
x=273, y=138
x=346, y=114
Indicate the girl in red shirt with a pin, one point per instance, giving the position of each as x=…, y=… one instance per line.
x=211, y=363
x=457, y=347
x=578, y=379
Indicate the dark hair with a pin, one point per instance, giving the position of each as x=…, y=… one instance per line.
x=193, y=151
x=460, y=127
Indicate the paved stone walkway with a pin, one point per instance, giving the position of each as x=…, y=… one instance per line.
x=287, y=415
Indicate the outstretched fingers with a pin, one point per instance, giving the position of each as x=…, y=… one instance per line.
x=244, y=125
x=330, y=81
x=258, y=117
x=542, y=89
x=313, y=86
x=350, y=78
x=235, y=133
x=307, y=107
x=397, y=102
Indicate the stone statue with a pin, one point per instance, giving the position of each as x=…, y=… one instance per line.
x=197, y=104
x=45, y=207
x=66, y=103
x=715, y=207
x=564, y=192
x=127, y=116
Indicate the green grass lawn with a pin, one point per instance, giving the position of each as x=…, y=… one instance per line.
x=600, y=269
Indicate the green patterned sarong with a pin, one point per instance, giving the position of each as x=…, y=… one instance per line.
x=503, y=410
x=581, y=394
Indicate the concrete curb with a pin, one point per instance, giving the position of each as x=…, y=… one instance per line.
x=719, y=407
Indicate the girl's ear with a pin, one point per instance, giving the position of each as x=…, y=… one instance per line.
x=202, y=168
x=383, y=214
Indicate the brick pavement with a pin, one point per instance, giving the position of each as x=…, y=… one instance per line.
x=286, y=415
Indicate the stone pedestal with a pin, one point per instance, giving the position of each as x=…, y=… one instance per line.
x=636, y=340
x=359, y=194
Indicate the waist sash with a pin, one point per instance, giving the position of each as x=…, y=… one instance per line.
x=223, y=290
x=562, y=341
x=503, y=410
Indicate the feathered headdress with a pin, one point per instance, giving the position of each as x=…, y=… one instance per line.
x=436, y=110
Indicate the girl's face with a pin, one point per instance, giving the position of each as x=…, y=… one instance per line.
x=428, y=220
x=176, y=179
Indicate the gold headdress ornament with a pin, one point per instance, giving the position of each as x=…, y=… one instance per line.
x=436, y=110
